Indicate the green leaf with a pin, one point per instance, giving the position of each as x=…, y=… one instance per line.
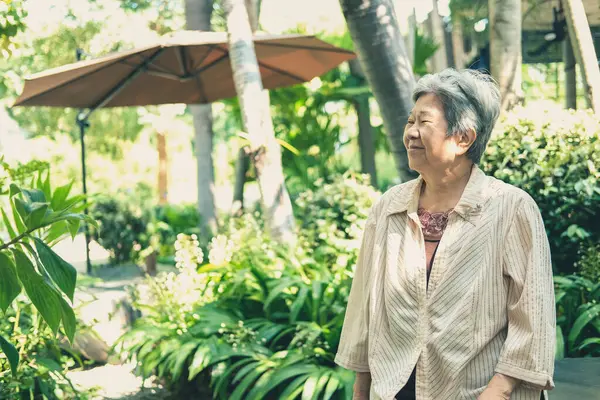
x=287, y=373
x=47, y=190
x=23, y=209
x=292, y=387
x=60, y=196
x=310, y=387
x=321, y=384
x=73, y=228
x=222, y=381
x=11, y=354
x=42, y=295
x=584, y=318
x=182, y=354
x=38, y=211
x=559, y=353
x=61, y=272
x=8, y=224
x=589, y=341
x=298, y=304
x=56, y=231
x=18, y=221
x=68, y=319
x=48, y=363
x=247, y=382
x=10, y=287
x=34, y=195
x=14, y=189
x=331, y=388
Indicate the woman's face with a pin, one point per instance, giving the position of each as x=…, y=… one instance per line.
x=425, y=136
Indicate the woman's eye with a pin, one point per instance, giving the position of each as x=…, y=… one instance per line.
x=410, y=121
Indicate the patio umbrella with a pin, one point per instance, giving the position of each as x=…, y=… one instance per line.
x=188, y=67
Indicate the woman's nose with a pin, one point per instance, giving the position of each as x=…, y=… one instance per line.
x=412, y=132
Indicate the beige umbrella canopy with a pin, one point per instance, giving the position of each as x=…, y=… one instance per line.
x=191, y=68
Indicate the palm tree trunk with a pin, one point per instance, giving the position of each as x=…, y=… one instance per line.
x=163, y=168
x=242, y=163
x=585, y=54
x=439, y=59
x=266, y=152
x=380, y=47
x=458, y=46
x=505, y=49
x=570, y=74
x=197, y=16
x=366, y=139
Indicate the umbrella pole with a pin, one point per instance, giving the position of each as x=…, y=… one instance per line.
x=83, y=124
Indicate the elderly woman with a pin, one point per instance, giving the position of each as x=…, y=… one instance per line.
x=452, y=296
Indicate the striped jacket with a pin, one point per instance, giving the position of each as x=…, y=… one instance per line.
x=488, y=306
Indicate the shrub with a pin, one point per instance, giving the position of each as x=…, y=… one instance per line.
x=578, y=316
x=121, y=229
x=555, y=157
x=257, y=321
x=588, y=265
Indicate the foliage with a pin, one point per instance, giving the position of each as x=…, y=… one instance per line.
x=557, y=161
x=172, y=220
x=425, y=48
x=43, y=361
x=578, y=316
x=588, y=265
x=256, y=321
x=36, y=218
x=121, y=228
x=167, y=14
x=12, y=15
x=331, y=218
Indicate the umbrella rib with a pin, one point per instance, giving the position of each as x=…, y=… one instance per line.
x=211, y=47
x=282, y=72
x=330, y=49
x=123, y=83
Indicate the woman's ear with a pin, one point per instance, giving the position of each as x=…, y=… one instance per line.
x=465, y=140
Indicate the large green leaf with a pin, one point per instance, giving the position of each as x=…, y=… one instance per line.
x=584, y=318
x=559, y=353
x=60, y=196
x=332, y=387
x=293, y=387
x=19, y=224
x=42, y=295
x=589, y=341
x=68, y=319
x=11, y=354
x=10, y=287
x=222, y=382
x=34, y=195
x=283, y=374
x=8, y=224
x=181, y=356
x=298, y=304
x=247, y=382
x=310, y=387
x=61, y=272
x=38, y=212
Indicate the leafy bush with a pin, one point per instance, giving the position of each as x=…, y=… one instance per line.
x=43, y=361
x=578, y=316
x=121, y=229
x=332, y=218
x=588, y=265
x=175, y=219
x=556, y=159
x=34, y=219
x=256, y=321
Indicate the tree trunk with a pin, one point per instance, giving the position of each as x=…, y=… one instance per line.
x=242, y=163
x=439, y=59
x=380, y=47
x=458, y=44
x=266, y=152
x=505, y=49
x=585, y=54
x=163, y=168
x=366, y=138
x=197, y=17
x=570, y=74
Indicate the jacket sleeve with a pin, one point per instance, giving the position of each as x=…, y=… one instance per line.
x=353, y=348
x=528, y=352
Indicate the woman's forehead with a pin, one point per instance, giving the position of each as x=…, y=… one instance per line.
x=428, y=104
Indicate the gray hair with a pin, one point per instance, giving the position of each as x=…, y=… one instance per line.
x=471, y=100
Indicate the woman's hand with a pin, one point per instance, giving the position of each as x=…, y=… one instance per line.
x=499, y=388
x=493, y=394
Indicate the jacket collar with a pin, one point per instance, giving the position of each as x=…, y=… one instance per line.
x=469, y=206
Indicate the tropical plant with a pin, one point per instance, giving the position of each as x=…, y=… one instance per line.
x=12, y=16
x=35, y=218
x=256, y=321
x=578, y=316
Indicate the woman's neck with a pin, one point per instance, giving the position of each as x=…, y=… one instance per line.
x=441, y=191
